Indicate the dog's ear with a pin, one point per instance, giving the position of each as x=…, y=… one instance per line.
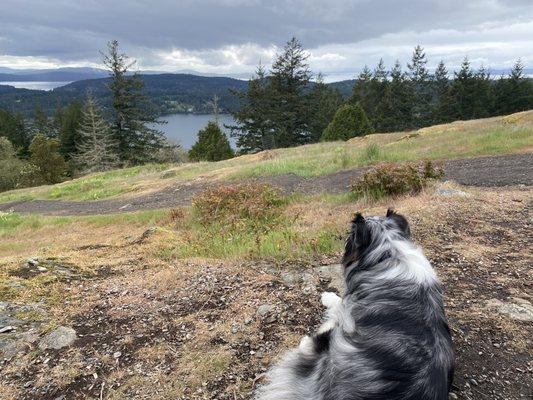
x=358, y=240
x=401, y=222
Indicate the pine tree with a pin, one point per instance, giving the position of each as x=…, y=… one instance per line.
x=212, y=145
x=323, y=103
x=462, y=92
x=132, y=111
x=254, y=129
x=378, y=88
x=483, y=95
x=400, y=113
x=513, y=93
x=441, y=107
x=41, y=122
x=349, y=121
x=421, y=95
x=44, y=153
x=97, y=149
x=57, y=122
x=13, y=128
x=361, y=88
x=68, y=132
x=289, y=76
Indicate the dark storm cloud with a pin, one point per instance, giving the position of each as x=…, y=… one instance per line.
x=72, y=30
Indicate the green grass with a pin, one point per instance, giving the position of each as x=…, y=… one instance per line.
x=472, y=138
x=11, y=223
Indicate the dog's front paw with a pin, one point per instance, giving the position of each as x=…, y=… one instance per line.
x=306, y=344
x=330, y=299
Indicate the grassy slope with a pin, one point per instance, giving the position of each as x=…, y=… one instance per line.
x=492, y=136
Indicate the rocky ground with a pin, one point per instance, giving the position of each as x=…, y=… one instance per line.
x=494, y=171
x=110, y=321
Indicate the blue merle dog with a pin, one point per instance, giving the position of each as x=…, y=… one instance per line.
x=387, y=338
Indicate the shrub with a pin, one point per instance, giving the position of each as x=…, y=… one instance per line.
x=349, y=121
x=45, y=155
x=212, y=145
x=247, y=206
x=14, y=172
x=392, y=180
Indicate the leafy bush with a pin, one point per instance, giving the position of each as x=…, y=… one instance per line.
x=349, y=121
x=247, y=206
x=392, y=180
x=14, y=172
x=45, y=155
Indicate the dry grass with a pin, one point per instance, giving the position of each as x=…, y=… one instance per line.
x=188, y=348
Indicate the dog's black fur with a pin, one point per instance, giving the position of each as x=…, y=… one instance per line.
x=387, y=340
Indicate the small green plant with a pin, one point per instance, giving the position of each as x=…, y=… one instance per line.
x=371, y=153
x=392, y=180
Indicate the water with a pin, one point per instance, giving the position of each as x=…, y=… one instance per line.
x=35, y=85
x=184, y=128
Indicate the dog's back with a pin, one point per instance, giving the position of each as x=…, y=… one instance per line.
x=388, y=339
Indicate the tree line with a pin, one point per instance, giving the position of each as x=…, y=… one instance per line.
x=83, y=137
x=283, y=108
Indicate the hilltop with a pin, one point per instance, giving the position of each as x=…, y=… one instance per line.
x=190, y=301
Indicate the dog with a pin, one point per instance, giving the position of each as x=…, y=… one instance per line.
x=386, y=339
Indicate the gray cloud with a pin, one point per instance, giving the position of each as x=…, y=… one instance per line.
x=231, y=35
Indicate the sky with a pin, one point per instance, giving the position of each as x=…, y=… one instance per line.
x=230, y=37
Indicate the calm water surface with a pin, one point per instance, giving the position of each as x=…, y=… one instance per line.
x=35, y=85
x=184, y=128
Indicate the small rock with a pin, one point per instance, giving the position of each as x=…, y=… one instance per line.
x=247, y=321
x=8, y=328
x=289, y=278
x=58, y=338
x=234, y=329
x=32, y=262
x=264, y=309
x=519, y=309
x=117, y=354
x=450, y=192
x=453, y=396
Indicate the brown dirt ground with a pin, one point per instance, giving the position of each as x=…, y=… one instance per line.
x=153, y=328
x=480, y=171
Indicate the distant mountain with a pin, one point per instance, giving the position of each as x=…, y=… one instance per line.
x=50, y=75
x=170, y=93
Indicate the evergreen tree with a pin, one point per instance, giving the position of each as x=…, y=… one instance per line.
x=378, y=88
x=513, y=93
x=68, y=132
x=57, y=122
x=133, y=113
x=41, y=122
x=421, y=95
x=394, y=108
x=361, y=88
x=349, y=121
x=97, y=149
x=441, y=106
x=323, y=103
x=483, y=95
x=288, y=79
x=462, y=92
x=254, y=128
x=13, y=128
x=212, y=145
x=44, y=153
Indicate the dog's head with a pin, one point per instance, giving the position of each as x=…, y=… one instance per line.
x=369, y=234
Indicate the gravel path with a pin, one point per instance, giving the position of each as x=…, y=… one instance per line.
x=507, y=170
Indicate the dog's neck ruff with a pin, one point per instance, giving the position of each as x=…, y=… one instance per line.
x=393, y=257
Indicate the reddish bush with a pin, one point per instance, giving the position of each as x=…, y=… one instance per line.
x=391, y=180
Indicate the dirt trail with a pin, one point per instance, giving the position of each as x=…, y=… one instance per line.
x=506, y=170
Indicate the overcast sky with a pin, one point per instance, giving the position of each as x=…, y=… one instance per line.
x=230, y=36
